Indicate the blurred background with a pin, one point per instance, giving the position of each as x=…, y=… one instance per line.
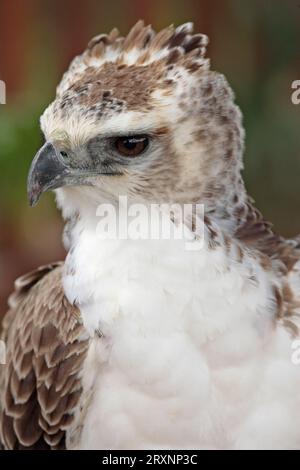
x=255, y=43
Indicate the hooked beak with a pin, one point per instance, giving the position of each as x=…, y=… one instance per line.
x=47, y=171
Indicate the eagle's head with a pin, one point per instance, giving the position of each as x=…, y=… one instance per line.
x=142, y=116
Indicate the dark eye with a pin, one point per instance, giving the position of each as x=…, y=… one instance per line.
x=131, y=146
x=63, y=154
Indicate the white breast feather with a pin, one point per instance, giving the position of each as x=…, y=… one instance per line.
x=189, y=357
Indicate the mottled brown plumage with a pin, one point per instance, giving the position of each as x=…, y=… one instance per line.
x=46, y=346
x=257, y=233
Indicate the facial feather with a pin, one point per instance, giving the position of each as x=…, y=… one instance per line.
x=140, y=84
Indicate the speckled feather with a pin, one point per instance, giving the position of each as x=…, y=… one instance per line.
x=46, y=347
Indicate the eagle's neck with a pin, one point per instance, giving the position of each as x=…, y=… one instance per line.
x=103, y=276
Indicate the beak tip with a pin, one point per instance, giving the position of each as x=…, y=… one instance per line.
x=43, y=174
x=33, y=199
x=32, y=202
x=33, y=194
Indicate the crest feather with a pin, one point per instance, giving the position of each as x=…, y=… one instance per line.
x=141, y=46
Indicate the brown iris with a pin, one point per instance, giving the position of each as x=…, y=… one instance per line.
x=131, y=146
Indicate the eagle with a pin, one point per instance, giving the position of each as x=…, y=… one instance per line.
x=144, y=344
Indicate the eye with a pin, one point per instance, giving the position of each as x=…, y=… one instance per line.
x=131, y=146
x=64, y=154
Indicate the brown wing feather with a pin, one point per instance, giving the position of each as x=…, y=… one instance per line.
x=46, y=345
x=279, y=254
x=256, y=232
